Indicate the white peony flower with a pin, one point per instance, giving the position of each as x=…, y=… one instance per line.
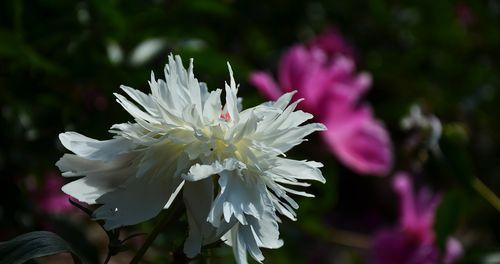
x=182, y=138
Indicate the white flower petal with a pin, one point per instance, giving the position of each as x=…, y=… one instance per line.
x=284, y=140
x=246, y=129
x=239, y=246
x=231, y=97
x=212, y=107
x=194, y=89
x=164, y=159
x=100, y=177
x=141, y=98
x=266, y=230
x=296, y=192
x=198, y=200
x=174, y=195
x=283, y=208
x=295, y=119
x=303, y=170
x=257, y=233
x=284, y=100
x=239, y=196
x=281, y=118
x=94, y=149
x=133, y=110
x=198, y=171
x=138, y=200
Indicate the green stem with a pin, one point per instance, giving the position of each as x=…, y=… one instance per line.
x=486, y=193
x=208, y=257
x=339, y=237
x=108, y=257
x=166, y=218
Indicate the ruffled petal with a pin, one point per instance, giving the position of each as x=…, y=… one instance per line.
x=199, y=171
x=101, y=177
x=239, y=196
x=332, y=43
x=138, y=200
x=231, y=107
x=252, y=236
x=345, y=84
x=212, y=107
x=94, y=149
x=295, y=169
x=294, y=66
x=198, y=198
x=359, y=141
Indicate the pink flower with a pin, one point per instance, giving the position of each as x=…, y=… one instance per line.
x=325, y=75
x=413, y=240
x=332, y=43
x=49, y=197
x=359, y=141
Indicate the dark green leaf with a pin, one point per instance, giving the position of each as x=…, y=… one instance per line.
x=454, y=145
x=447, y=215
x=34, y=245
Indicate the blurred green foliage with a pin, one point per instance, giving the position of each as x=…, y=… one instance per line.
x=61, y=61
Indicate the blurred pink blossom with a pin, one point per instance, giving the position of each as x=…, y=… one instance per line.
x=332, y=43
x=464, y=14
x=413, y=240
x=359, y=141
x=49, y=197
x=324, y=73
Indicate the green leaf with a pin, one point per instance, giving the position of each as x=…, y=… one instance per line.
x=454, y=146
x=34, y=245
x=448, y=215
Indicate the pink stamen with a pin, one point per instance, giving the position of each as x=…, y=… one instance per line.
x=226, y=116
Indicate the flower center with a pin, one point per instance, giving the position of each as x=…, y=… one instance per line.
x=226, y=116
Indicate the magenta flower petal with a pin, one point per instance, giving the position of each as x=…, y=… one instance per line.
x=266, y=85
x=417, y=213
x=332, y=42
x=49, y=197
x=359, y=141
x=395, y=247
x=404, y=189
x=295, y=65
x=315, y=90
x=413, y=240
x=346, y=84
x=337, y=84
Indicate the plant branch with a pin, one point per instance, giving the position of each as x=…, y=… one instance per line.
x=108, y=257
x=486, y=193
x=349, y=239
x=339, y=237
